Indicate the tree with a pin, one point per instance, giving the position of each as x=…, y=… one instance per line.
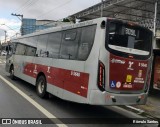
x=66, y=20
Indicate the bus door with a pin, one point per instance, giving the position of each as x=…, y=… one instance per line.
x=18, y=60
x=10, y=49
x=27, y=63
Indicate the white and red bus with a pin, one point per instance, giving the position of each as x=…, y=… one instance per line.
x=99, y=62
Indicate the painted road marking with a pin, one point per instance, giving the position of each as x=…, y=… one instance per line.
x=38, y=106
x=136, y=109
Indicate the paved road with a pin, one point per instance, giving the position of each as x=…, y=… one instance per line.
x=13, y=105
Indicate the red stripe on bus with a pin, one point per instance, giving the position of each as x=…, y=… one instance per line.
x=70, y=80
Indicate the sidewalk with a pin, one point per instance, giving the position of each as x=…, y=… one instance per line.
x=152, y=106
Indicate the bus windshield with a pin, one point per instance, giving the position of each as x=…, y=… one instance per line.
x=129, y=39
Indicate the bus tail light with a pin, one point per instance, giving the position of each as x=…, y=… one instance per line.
x=101, y=76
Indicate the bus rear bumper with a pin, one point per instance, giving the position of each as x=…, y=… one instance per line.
x=105, y=98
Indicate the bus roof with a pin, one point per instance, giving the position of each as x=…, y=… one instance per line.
x=72, y=26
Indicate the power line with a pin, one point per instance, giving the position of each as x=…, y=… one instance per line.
x=29, y=5
x=46, y=13
x=26, y=5
x=23, y=5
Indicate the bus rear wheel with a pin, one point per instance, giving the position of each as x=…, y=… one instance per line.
x=41, y=86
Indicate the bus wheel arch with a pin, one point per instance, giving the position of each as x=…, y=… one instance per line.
x=41, y=86
x=11, y=71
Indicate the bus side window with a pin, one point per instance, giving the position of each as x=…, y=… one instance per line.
x=30, y=51
x=41, y=46
x=87, y=39
x=20, y=49
x=69, y=46
x=53, y=45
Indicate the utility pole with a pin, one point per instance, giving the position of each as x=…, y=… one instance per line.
x=20, y=17
x=102, y=8
x=5, y=32
x=155, y=18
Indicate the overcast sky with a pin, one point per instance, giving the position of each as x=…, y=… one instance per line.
x=37, y=9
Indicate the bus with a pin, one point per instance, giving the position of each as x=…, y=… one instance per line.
x=104, y=61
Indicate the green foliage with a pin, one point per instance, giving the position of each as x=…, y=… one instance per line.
x=66, y=20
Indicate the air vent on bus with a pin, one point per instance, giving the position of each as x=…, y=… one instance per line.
x=101, y=76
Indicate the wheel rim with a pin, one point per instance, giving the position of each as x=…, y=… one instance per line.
x=41, y=86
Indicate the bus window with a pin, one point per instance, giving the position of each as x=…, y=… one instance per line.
x=42, y=43
x=30, y=51
x=53, y=45
x=132, y=39
x=20, y=49
x=87, y=39
x=69, y=46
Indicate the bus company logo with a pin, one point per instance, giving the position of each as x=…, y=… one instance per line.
x=35, y=70
x=130, y=65
x=6, y=121
x=118, y=61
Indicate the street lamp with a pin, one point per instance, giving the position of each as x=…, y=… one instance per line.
x=5, y=35
x=20, y=17
x=9, y=28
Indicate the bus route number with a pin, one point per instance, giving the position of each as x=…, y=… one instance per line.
x=74, y=73
x=130, y=32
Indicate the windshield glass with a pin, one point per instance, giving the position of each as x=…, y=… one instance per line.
x=129, y=39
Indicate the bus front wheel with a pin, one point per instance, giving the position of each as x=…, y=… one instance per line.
x=12, y=72
x=41, y=86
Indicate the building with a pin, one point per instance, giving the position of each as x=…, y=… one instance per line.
x=33, y=25
x=138, y=11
